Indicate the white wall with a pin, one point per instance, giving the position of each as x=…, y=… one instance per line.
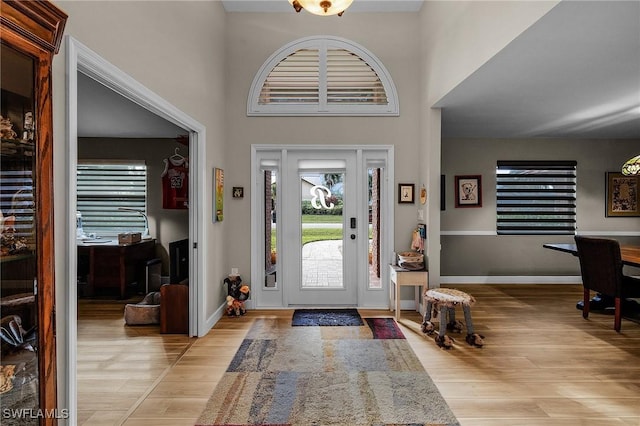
x=456, y=38
x=251, y=39
x=177, y=50
x=486, y=255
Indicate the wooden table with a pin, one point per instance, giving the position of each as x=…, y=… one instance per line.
x=113, y=265
x=399, y=277
x=630, y=254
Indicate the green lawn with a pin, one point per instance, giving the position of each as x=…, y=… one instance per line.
x=320, y=234
x=315, y=234
x=321, y=218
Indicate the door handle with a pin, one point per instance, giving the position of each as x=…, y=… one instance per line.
x=353, y=236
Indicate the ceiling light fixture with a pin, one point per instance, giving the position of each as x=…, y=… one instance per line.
x=322, y=7
x=632, y=166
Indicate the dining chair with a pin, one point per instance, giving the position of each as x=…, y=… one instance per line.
x=601, y=269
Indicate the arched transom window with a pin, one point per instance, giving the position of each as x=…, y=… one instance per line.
x=322, y=76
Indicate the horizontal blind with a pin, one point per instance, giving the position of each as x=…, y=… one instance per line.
x=295, y=80
x=104, y=187
x=17, y=204
x=536, y=197
x=350, y=80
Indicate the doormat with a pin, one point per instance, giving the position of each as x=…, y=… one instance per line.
x=303, y=376
x=384, y=328
x=326, y=317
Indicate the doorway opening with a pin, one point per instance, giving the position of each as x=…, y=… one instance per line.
x=81, y=59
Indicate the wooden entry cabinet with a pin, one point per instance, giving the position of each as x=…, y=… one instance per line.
x=30, y=35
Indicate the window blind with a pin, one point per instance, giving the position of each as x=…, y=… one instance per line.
x=322, y=76
x=295, y=80
x=536, y=197
x=16, y=199
x=104, y=187
x=350, y=80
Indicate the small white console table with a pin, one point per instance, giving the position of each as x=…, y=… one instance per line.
x=400, y=277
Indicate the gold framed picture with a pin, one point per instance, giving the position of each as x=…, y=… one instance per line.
x=622, y=195
x=218, y=195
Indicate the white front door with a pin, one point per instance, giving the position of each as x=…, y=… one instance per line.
x=321, y=236
x=321, y=229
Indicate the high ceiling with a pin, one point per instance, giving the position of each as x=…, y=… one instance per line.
x=574, y=74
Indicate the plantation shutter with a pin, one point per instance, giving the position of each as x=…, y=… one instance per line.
x=350, y=80
x=322, y=76
x=536, y=197
x=295, y=80
x=104, y=187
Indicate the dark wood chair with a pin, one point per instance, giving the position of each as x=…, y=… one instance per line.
x=601, y=269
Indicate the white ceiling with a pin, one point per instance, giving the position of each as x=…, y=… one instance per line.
x=105, y=113
x=574, y=74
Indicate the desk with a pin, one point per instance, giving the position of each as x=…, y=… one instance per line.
x=113, y=265
x=400, y=277
x=630, y=254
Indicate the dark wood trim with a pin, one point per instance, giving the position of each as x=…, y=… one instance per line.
x=35, y=28
x=38, y=21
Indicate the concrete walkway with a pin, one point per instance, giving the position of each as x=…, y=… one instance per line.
x=322, y=264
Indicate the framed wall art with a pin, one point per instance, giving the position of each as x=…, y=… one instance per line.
x=218, y=195
x=468, y=191
x=238, y=192
x=622, y=195
x=406, y=193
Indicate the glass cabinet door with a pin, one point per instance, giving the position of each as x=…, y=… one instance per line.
x=19, y=381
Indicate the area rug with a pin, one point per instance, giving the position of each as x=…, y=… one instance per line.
x=326, y=317
x=304, y=376
x=384, y=328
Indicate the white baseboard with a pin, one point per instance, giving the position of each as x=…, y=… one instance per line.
x=511, y=279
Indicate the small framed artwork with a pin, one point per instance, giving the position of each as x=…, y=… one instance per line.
x=406, y=193
x=622, y=195
x=238, y=192
x=218, y=195
x=468, y=191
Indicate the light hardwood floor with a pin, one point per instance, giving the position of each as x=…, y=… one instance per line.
x=542, y=364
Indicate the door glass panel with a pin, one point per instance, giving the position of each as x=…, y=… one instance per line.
x=322, y=229
x=374, y=227
x=18, y=331
x=270, y=224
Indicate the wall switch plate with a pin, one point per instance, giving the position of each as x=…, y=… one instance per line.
x=420, y=214
x=234, y=271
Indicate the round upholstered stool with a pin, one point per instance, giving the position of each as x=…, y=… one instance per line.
x=444, y=301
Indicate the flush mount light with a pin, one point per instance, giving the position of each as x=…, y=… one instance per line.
x=322, y=7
